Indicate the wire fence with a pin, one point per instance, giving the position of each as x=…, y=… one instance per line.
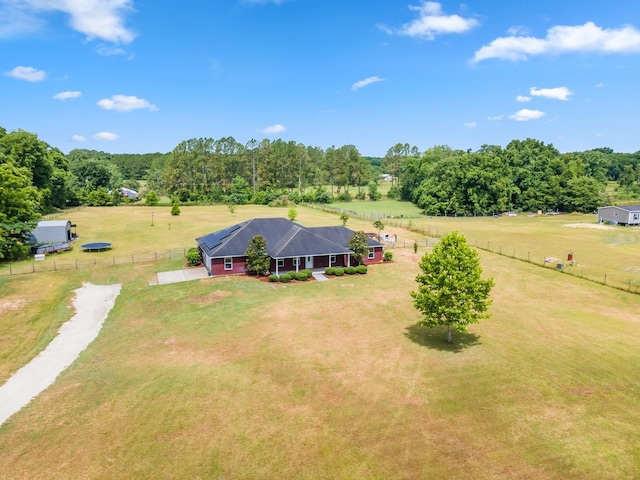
x=627, y=279
x=53, y=263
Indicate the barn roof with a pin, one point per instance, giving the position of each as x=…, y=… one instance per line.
x=284, y=239
x=631, y=208
x=54, y=223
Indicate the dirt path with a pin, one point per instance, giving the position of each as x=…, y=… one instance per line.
x=92, y=304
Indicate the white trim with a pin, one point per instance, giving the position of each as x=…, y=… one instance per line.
x=372, y=253
x=230, y=262
x=279, y=262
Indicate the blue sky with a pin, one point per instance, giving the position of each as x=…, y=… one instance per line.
x=136, y=76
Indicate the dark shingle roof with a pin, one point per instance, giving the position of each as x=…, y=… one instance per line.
x=284, y=239
x=342, y=235
x=631, y=208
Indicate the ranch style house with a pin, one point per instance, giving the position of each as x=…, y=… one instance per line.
x=623, y=215
x=291, y=246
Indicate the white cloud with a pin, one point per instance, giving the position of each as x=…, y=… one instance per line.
x=78, y=138
x=431, y=22
x=601, y=85
x=365, y=82
x=563, y=39
x=67, y=95
x=29, y=74
x=559, y=93
x=525, y=115
x=106, y=51
x=95, y=18
x=125, y=103
x=523, y=98
x=518, y=30
x=471, y=124
x=273, y=129
x=495, y=117
x=106, y=136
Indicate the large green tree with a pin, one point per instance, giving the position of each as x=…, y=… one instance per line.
x=451, y=291
x=19, y=201
x=359, y=246
x=257, y=259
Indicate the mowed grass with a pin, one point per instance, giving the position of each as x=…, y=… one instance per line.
x=237, y=378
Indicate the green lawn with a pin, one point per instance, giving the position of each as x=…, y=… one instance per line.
x=237, y=378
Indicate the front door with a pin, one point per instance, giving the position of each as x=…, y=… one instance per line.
x=308, y=262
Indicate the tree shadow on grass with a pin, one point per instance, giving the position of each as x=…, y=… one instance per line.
x=436, y=338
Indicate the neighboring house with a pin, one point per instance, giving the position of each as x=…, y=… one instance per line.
x=624, y=215
x=52, y=231
x=291, y=247
x=127, y=192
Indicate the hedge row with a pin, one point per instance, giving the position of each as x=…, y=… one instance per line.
x=339, y=271
x=301, y=276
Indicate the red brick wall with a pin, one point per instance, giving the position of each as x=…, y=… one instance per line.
x=239, y=266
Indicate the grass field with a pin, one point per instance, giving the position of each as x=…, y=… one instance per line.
x=237, y=378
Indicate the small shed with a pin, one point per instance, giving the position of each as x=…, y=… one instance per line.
x=624, y=215
x=53, y=231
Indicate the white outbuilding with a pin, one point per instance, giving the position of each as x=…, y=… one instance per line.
x=52, y=231
x=623, y=215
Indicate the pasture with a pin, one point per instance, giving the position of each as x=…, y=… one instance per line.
x=237, y=378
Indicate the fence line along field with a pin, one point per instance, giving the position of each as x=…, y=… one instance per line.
x=237, y=378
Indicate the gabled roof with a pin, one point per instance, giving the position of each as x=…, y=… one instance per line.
x=284, y=239
x=631, y=208
x=342, y=235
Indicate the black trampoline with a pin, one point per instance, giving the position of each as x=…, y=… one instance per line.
x=96, y=247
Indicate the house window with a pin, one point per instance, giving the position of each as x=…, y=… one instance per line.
x=295, y=262
x=280, y=262
x=228, y=263
x=372, y=253
x=332, y=259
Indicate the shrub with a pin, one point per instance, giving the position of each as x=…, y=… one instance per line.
x=330, y=271
x=301, y=276
x=344, y=197
x=394, y=192
x=362, y=269
x=350, y=270
x=281, y=201
x=273, y=277
x=388, y=256
x=285, y=278
x=175, y=209
x=193, y=257
x=151, y=199
x=307, y=272
x=338, y=272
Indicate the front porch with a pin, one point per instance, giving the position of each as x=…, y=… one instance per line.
x=315, y=263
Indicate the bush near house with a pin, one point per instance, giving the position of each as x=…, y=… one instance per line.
x=193, y=257
x=362, y=269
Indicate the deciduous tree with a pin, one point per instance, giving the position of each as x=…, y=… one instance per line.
x=451, y=291
x=358, y=245
x=257, y=259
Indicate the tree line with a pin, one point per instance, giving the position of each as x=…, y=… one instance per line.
x=526, y=175
x=36, y=178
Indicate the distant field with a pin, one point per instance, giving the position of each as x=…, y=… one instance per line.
x=237, y=378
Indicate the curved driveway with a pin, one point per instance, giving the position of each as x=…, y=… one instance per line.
x=92, y=304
